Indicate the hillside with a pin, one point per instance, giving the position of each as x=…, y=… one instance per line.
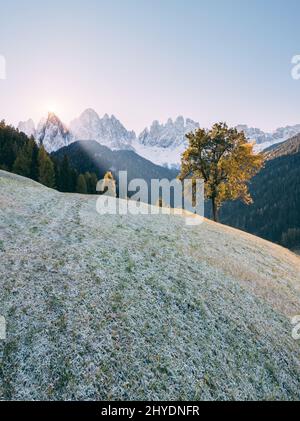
x=275, y=213
x=144, y=307
x=290, y=147
x=21, y=155
x=90, y=156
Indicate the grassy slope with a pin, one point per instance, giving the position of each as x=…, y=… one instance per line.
x=123, y=307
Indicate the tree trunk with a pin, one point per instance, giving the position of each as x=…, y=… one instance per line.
x=215, y=209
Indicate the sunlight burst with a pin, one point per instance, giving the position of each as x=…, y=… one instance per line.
x=53, y=107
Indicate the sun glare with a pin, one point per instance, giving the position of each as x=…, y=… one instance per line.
x=52, y=107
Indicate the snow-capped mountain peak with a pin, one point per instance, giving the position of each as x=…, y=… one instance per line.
x=89, y=116
x=107, y=130
x=52, y=133
x=265, y=139
x=86, y=125
x=168, y=135
x=161, y=143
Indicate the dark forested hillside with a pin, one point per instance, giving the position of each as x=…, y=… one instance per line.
x=275, y=213
x=93, y=157
x=11, y=142
x=21, y=155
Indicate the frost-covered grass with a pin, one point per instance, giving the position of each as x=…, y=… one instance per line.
x=124, y=307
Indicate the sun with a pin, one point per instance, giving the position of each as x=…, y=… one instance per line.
x=53, y=107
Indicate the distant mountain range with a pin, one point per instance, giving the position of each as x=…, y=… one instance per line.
x=267, y=139
x=162, y=144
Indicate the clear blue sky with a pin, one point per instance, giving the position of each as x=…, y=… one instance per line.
x=141, y=60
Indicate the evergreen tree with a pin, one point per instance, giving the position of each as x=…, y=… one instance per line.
x=81, y=184
x=91, y=182
x=73, y=179
x=23, y=162
x=65, y=178
x=46, y=168
x=34, y=170
x=21, y=155
x=11, y=141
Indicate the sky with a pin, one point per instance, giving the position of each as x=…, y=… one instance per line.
x=141, y=60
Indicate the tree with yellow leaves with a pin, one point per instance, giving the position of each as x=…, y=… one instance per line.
x=107, y=186
x=225, y=160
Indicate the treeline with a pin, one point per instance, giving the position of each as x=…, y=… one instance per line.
x=21, y=155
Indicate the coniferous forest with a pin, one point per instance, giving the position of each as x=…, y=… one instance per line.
x=21, y=155
x=275, y=211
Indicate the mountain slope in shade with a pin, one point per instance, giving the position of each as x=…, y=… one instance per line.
x=140, y=307
x=92, y=157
